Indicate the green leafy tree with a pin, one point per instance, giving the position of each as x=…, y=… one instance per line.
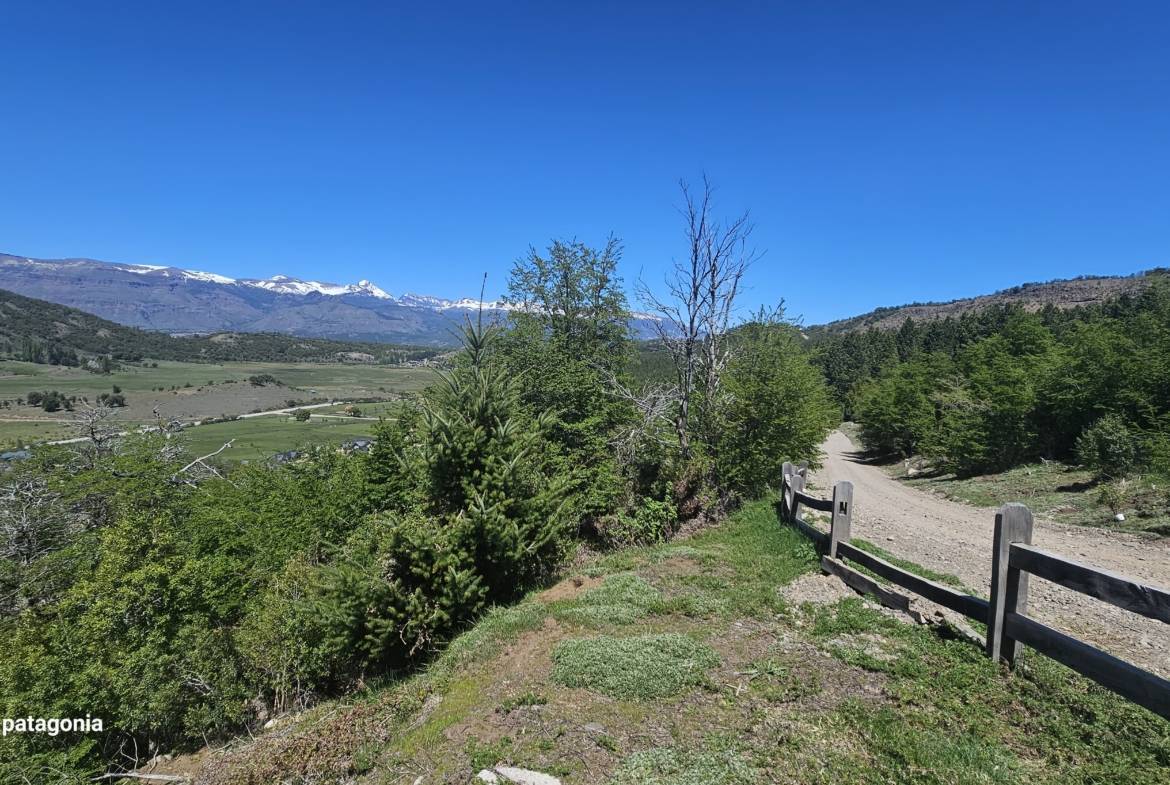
x=775, y=405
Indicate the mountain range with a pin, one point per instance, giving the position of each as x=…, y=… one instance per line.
x=180, y=301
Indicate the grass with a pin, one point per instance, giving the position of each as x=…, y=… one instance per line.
x=718, y=764
x=955, y=716
x=636, y=668
x=329, y=379
x=258, y=438
x=192, y=391
x=1060, y=492
x=758, y=691
x=621, y=599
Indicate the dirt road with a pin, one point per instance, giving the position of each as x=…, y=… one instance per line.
x=955, y=538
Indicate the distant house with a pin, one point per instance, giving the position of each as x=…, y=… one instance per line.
x=285, y=457
x=15, y=455
x=356, y=445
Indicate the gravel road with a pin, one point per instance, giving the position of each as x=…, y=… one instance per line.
x=956, y=538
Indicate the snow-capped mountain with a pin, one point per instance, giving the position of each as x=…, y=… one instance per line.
x=182, y=300
x=283, y=284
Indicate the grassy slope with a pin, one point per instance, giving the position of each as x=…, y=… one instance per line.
x=683, y=664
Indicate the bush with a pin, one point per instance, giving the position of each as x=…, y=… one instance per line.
x=649, y=522
x=302, y=415
x=1109, y=447
x=284, y=643
x=776, y=407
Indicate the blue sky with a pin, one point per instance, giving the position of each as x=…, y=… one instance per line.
x=889, y=152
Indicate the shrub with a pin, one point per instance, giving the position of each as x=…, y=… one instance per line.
x=775, y=406
x=284, y=643
x=649, y=522
x=1109, y=447
x=302, y=415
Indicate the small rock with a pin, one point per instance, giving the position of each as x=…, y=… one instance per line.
x=594, y=727
x=525, y=777
x=1119, y=517
x=891, y=539
x=487, y=776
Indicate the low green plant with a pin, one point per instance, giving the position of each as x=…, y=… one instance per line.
x=721, y=765
x=642, y=667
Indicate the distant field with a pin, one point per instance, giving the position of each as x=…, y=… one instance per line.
x=200, y=390
x=261, y=437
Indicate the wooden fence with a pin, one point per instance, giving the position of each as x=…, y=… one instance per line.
x=1013, y=559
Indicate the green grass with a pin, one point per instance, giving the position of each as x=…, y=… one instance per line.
x=258, y=438
x=329, y=379
x=718, y=764
x=1060, y=492
x=955, y=716
x=641, y=667
x=210, y=389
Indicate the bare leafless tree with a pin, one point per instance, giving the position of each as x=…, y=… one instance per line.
x=92, y=422
x=696, y=313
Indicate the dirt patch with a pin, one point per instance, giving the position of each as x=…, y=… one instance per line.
x=816, y=588
x=570, y=588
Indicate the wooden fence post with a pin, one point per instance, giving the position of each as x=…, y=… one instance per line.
x=1009, y=586
x=842, y=516
x=786, y=472
x=796, y=483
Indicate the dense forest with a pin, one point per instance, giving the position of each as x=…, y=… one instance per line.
x=183, y=603
x=1004, y=386
x=42, y=332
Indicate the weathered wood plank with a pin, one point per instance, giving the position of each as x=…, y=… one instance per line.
x=842, y=522
x=795, y=491
x=865, y=584
x=1009, y=586
x=1129, y=681
x=824, y=505
x=1120, y=590
x=970, y=606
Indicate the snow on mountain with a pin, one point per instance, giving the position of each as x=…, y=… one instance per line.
x=169, y=272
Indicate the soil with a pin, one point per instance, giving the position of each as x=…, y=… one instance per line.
x=955, y=538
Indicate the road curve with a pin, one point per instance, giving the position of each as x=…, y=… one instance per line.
x=955, y=538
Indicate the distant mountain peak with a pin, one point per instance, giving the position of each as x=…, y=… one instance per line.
x=285, y=284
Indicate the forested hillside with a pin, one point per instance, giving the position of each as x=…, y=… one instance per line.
x=994, y=388
x=1066, y=293
x=43, y=332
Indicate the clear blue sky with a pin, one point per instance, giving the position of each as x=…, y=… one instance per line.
x=889, y=151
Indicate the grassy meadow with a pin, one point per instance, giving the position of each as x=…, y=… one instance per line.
x=260, y=437
x=189, y=392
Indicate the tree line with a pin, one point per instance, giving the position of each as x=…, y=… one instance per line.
x=1005, y=386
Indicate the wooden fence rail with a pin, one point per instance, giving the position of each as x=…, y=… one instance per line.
x=1013, y=559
